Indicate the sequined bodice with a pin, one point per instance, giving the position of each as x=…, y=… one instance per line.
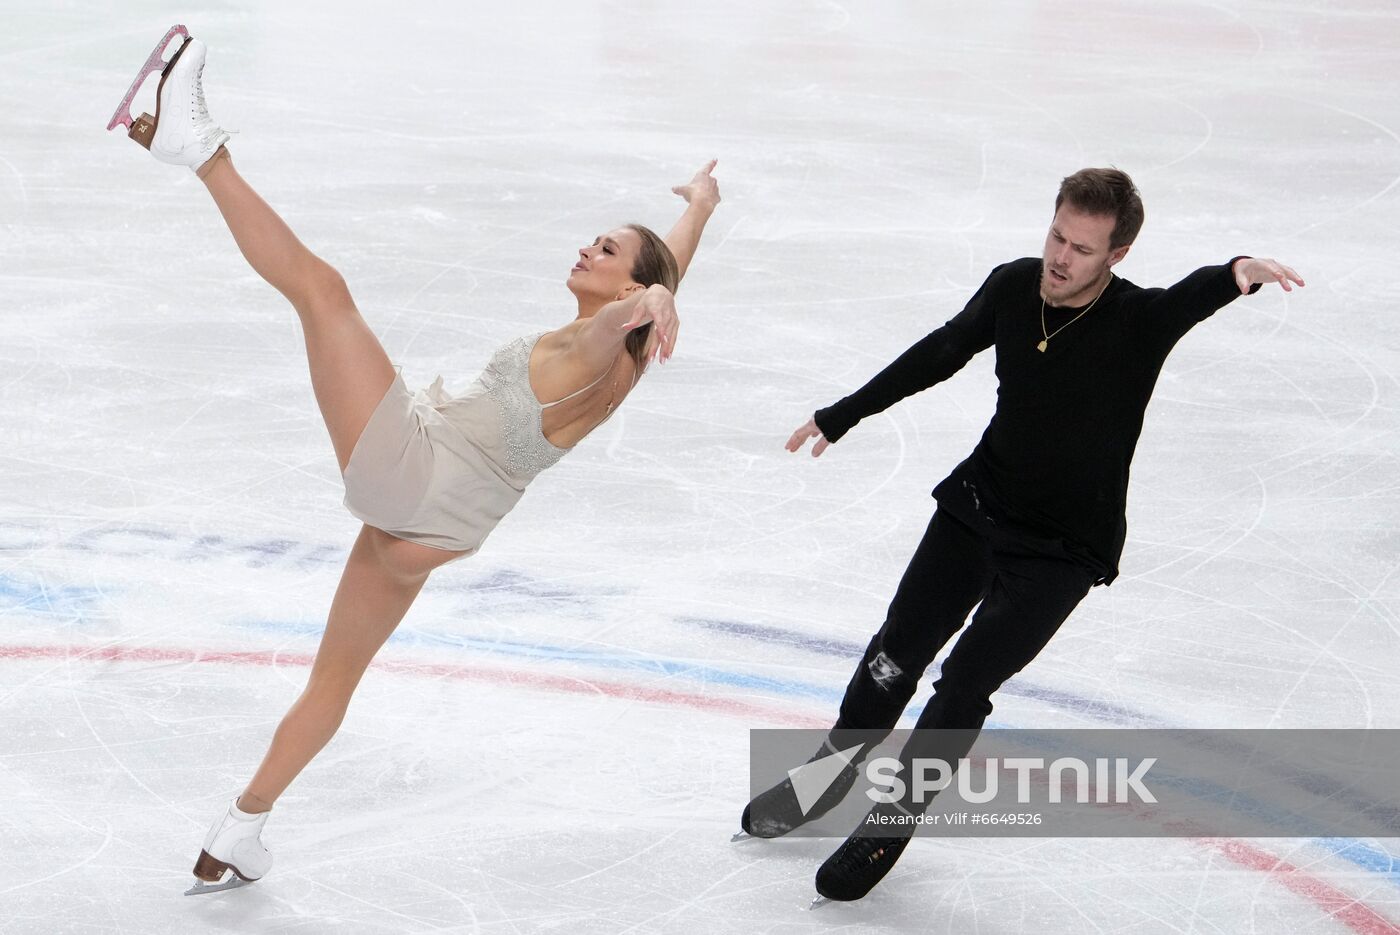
x=500, y=417
x=506, y=381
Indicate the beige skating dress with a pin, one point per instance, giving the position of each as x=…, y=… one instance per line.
x=442, y=471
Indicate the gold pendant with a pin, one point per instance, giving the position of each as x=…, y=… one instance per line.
x=1043, y=345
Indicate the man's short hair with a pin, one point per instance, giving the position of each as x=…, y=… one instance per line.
x=1109, y=192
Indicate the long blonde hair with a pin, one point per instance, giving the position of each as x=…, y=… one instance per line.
x=655, y=265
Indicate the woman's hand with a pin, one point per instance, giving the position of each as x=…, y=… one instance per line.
x=658, y=307
x=702, y=191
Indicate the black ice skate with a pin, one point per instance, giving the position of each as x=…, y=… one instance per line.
x=857, y=866
x=778, y=811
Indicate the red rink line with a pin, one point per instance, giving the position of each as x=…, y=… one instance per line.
x=1335, y=903
x=513, y=677
x=1355, y=915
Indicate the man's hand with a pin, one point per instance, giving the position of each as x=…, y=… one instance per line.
x=808, y=430
x=1261, y=270
x=701, y=191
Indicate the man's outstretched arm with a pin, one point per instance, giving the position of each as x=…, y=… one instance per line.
x=933, y=359
x=1170, y=313
x=1251, y=271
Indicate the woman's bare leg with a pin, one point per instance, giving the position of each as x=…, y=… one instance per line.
x=349, y=370
x=349, y=373
x=382, y=577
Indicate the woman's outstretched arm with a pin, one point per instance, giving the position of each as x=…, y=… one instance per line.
x=701, y=195
x=598, y=341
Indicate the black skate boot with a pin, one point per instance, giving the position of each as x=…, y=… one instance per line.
x=857, y=866
x=777, y=811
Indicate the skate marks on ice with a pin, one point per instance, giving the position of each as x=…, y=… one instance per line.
x=1288, y=874
x=649, y=678
x=498, y=594
x=823, y=154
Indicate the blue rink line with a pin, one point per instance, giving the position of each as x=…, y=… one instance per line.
x=852, y=651
x=648, y=665
x=1362, y=855
x=30, y=597
x=37, y=598
x=1354, y=851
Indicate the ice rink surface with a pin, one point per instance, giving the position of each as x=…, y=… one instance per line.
x=556, y=738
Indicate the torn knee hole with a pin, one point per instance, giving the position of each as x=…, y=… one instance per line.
x=885, y=671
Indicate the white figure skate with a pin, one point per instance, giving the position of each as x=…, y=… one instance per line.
x=181, y=132
x=233, y=854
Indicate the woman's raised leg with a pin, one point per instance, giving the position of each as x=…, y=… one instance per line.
x=350, y=371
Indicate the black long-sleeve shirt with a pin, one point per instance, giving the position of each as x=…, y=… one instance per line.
x=1054, y=459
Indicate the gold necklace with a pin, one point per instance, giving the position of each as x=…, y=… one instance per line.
x=1046, y=343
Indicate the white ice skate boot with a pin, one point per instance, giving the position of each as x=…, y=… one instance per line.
x=181, y=132
x=233, y=853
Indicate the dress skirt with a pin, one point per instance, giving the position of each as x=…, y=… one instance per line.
x=421, y=476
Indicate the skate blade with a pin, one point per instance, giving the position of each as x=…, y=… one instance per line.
x=154, y=63
x=202, y=887
x=818, y=902
x=740, y=836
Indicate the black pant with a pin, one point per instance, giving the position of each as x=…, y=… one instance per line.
x=1027, y=586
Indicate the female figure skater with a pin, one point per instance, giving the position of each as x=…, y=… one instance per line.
x=428, y=474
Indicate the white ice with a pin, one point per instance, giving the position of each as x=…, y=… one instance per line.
x=557, y=738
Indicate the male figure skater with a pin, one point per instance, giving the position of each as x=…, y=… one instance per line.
x=1036, y=514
